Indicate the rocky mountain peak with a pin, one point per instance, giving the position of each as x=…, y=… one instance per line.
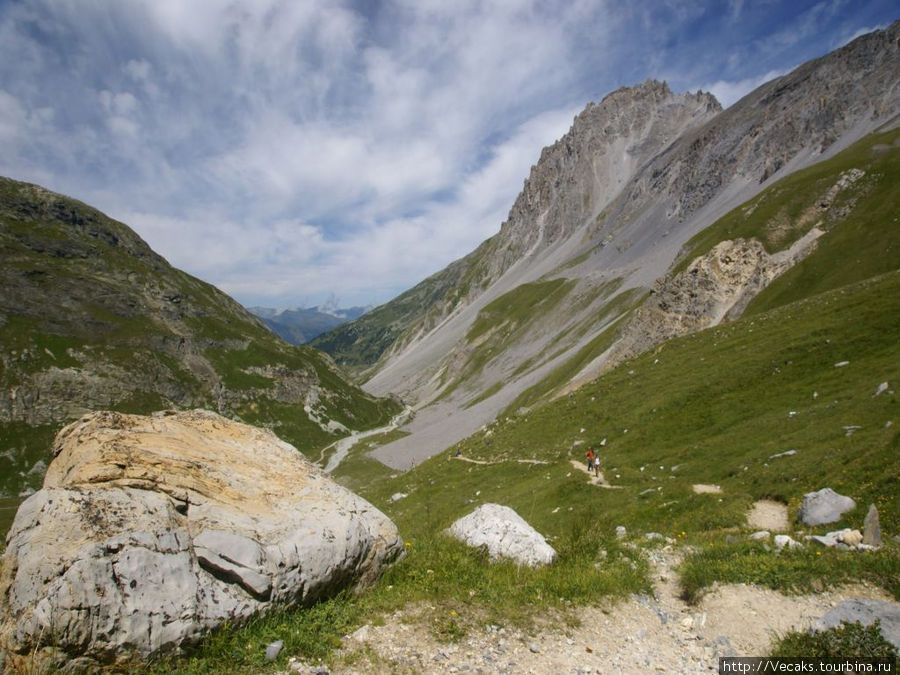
x=580, y=174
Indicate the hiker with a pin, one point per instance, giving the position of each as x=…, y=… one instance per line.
x=590, y=457
x=597, y=465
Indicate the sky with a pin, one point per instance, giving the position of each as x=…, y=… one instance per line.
x=293, y=152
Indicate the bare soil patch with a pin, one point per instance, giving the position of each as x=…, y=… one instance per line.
x=703, y=489
x=643, y=634
x=769, y=515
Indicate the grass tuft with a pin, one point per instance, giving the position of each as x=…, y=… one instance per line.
x=847, y=641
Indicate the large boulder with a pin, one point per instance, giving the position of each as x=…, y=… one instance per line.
x=150, y=531
x=505, y=535
x=824, y=506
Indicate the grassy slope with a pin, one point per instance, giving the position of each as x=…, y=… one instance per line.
x=713, y=407
x=360, y=343
x=863, y=223
x=716, y=406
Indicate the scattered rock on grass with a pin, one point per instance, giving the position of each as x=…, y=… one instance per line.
x=824, y=506
x=505, y=535
x=784, y=541
x=767, y=514
x=846, y=537
x=786, y=453
x=871, y=528
x=273, y=650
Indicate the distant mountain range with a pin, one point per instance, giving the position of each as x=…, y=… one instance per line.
x=299, y=326
x=657, y=214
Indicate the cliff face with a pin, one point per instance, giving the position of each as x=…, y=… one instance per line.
x=579, y=175
x=608, y=209
x=567, y=191
x=91, y=318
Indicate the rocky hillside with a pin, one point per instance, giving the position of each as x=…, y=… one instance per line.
x=603, y=217
x=91, y=318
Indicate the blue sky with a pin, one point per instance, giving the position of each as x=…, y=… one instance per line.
x=291, y=151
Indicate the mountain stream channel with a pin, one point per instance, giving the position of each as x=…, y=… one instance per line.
x=343, y=446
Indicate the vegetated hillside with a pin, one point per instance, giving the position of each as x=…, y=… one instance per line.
x=91, y=318
x=767, y=407
x=602, y=217
x=760, y=407
x=359, y=344
x=812, y=365
x=771, y=406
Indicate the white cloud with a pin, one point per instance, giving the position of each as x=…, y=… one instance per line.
x=272, y=146
x=123, y=103
x=12, y=118
x=290, y=258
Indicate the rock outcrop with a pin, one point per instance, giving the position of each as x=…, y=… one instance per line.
x=872, y=527
x=715, y=287
x=505, y=534
x=866, y=611
x=823, y=507
x=149, y=531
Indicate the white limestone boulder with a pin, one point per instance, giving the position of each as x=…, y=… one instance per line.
x=150, y=531
x=505, y=535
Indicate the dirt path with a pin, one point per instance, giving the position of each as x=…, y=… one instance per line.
x=644, y=634
x=463, y=458
x=599, y=480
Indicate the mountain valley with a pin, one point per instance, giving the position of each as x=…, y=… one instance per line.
x=604, y=214
x=91, y=318
x=707, y=297
x=303, y=324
